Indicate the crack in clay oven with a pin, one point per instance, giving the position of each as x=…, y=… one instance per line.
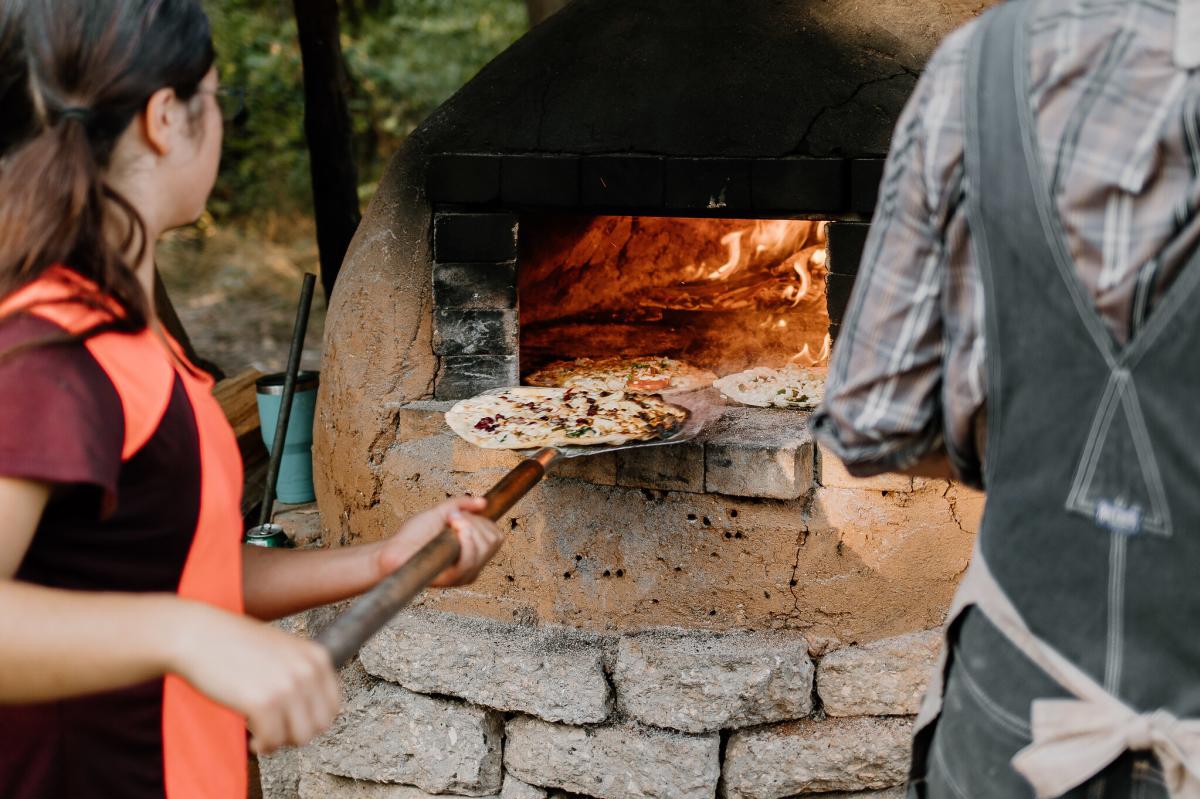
x=952, y=502
x=378, y=453
x=802, y=145
x=801, y=540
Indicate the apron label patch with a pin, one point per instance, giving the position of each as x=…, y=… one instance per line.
x=1118, y=517
x=1117, y=483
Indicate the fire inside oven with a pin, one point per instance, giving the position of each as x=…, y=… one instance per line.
x=720, y=294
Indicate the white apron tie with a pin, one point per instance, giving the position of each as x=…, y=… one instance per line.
x=1073, y=739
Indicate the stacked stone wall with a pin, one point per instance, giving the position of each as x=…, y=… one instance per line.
x=441, y=704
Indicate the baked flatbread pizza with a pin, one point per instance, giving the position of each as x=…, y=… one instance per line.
x=527, y=417
x=646, y=374
x=762, y=387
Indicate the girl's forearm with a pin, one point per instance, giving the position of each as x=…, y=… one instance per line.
x=280, y=582
x=56, y=644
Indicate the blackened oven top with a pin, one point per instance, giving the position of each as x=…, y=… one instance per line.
x=732, y=78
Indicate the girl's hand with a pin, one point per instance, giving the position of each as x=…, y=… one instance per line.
x=478, y=538
x=285, y=686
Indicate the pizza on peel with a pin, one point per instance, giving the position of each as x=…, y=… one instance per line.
x=526, y=417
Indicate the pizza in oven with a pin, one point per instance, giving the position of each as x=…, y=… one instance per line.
x=789, y=387
x=527, y=417
x=640, y=375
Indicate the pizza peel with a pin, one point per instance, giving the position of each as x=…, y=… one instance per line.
x=370, y=612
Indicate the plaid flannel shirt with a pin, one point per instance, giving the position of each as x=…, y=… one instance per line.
x=1119, y=128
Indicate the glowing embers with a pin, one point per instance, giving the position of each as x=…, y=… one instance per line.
x=723, y=294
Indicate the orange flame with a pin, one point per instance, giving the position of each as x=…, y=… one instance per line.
x=805, y=357
x=765, y=262
x=734, y=242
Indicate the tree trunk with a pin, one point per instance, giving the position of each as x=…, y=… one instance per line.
x=329, y=133
x=540, y=9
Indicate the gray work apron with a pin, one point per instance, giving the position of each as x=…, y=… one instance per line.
x=1072, y=665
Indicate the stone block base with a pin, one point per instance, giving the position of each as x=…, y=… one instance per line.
x=554, y=673
x=700, y=683
x=319, y=785
x=816, y=756
x=389, y=734
x=661, y=702
x=886, y=678
x=619, y=761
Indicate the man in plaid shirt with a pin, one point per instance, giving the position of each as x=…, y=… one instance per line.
x=1031, y=262
x=1119, y=129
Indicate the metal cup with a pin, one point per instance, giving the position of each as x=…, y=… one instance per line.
x=295, y=485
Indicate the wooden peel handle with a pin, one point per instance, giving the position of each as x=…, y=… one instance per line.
x=370, y=612
x=517, y=483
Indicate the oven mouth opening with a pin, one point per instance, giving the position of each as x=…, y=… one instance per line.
x=723, y=295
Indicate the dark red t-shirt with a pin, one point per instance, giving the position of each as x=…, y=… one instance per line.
x=127, y=435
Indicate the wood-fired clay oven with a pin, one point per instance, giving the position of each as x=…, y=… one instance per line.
x=735, y=616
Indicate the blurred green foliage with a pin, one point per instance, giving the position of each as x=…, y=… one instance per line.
x=404, y=58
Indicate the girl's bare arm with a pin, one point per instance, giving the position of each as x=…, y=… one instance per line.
x=279, y=582
x=55, y=643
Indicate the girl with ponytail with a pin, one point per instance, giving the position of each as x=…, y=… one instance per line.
x=133, y=653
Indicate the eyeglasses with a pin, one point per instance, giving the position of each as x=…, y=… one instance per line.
x=232, y=102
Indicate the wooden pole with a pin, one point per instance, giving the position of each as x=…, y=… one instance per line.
x=329, y=133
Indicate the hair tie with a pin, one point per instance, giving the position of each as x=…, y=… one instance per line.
x=84, y=115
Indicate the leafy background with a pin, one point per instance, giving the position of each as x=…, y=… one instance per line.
x=234, y=277
x=404, y=58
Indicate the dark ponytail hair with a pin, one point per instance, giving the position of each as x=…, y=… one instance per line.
x=16, y=109
x=91, y=66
